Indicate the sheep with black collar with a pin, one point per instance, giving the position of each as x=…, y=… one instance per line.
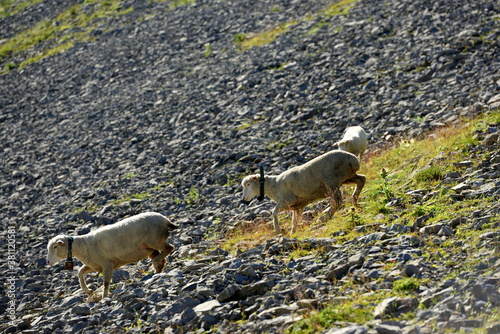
x=317, y=179
x=110, y=247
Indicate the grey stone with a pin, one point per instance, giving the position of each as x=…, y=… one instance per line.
x=431, y=229
x=493, y=328
x=207, y=306
x=120, y=275
x=410, y=270
x=356, y=260
x=387, y=329
x=390, y=307
x=81, y=310
x=229, y=293
x=337, y=272
x=353, y=329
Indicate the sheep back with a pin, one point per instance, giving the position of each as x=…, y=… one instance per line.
x=310, y=180
x=128, y=240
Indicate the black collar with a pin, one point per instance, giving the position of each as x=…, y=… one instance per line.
x=262, y=180
x=70, y=244
x=69, y=261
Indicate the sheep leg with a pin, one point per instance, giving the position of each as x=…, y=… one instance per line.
x=335, y=199
x=159, y=261
x=276, y=223
x=359, y=180
x=107, y=273
x=84, y=270
x=153, y=255
x=297, y=219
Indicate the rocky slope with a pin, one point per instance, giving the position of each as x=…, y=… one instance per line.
x=161, y=111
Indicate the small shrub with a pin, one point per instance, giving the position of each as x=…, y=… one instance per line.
x=406, y=285
x=433, y=173
x=208, y=50
x=194, y=195
x=239, y=38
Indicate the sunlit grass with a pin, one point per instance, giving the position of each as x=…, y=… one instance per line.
x=11, y=7
x=245, y=41
x=50, y=37
x=58, y=35
x=265, y=37
x=356, y=308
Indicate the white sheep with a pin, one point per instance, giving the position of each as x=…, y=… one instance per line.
x=301, y=185
x=110, y=247
x=354, y=141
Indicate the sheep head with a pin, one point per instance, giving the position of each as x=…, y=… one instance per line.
x=57, y=249
x=251, y=187
x=344, y=144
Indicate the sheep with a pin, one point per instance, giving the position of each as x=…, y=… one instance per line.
x=301, y=185
x=353, y=141
x=110, y=247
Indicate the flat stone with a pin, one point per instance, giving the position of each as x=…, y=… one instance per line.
x=206, y=307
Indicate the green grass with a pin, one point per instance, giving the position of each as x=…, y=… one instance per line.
x=245, y=41
x=177, y=3
x=11, y=7
x=406, y=285
x=353, y=309
x=140, y=196
x=51, y=37
x=262, y=38
x=57, y=35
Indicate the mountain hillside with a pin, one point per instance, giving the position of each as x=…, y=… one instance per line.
x=112, y=108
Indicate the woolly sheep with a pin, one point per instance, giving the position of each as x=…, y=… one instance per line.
x=354, y=141
x=301, y=185
x=110, y=247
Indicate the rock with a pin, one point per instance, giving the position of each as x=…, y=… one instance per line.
x=491, y=139
x=410, y=270
x=206, y=307
x=356, y=260
x=81, y=310
x=337, y=272
x=493, y=328
x=394, y=306
x=387, y=329
x=355, y=329
x=120, y=275
x=229, y=293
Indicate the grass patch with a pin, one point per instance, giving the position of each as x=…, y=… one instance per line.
x=245, y=41
x=11, y=7
x=139, y=196
x=433, y=173
x=173, y=4
x=262, y=38
x=406, y=285
x=353, y=309
x=57, y=35
x=339, y=8
x=51, y=37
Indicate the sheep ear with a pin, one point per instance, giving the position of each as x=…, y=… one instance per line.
x=60, y=242
x=255, y=178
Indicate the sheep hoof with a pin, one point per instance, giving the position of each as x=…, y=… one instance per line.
x=159, y=266
x=93, y=298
